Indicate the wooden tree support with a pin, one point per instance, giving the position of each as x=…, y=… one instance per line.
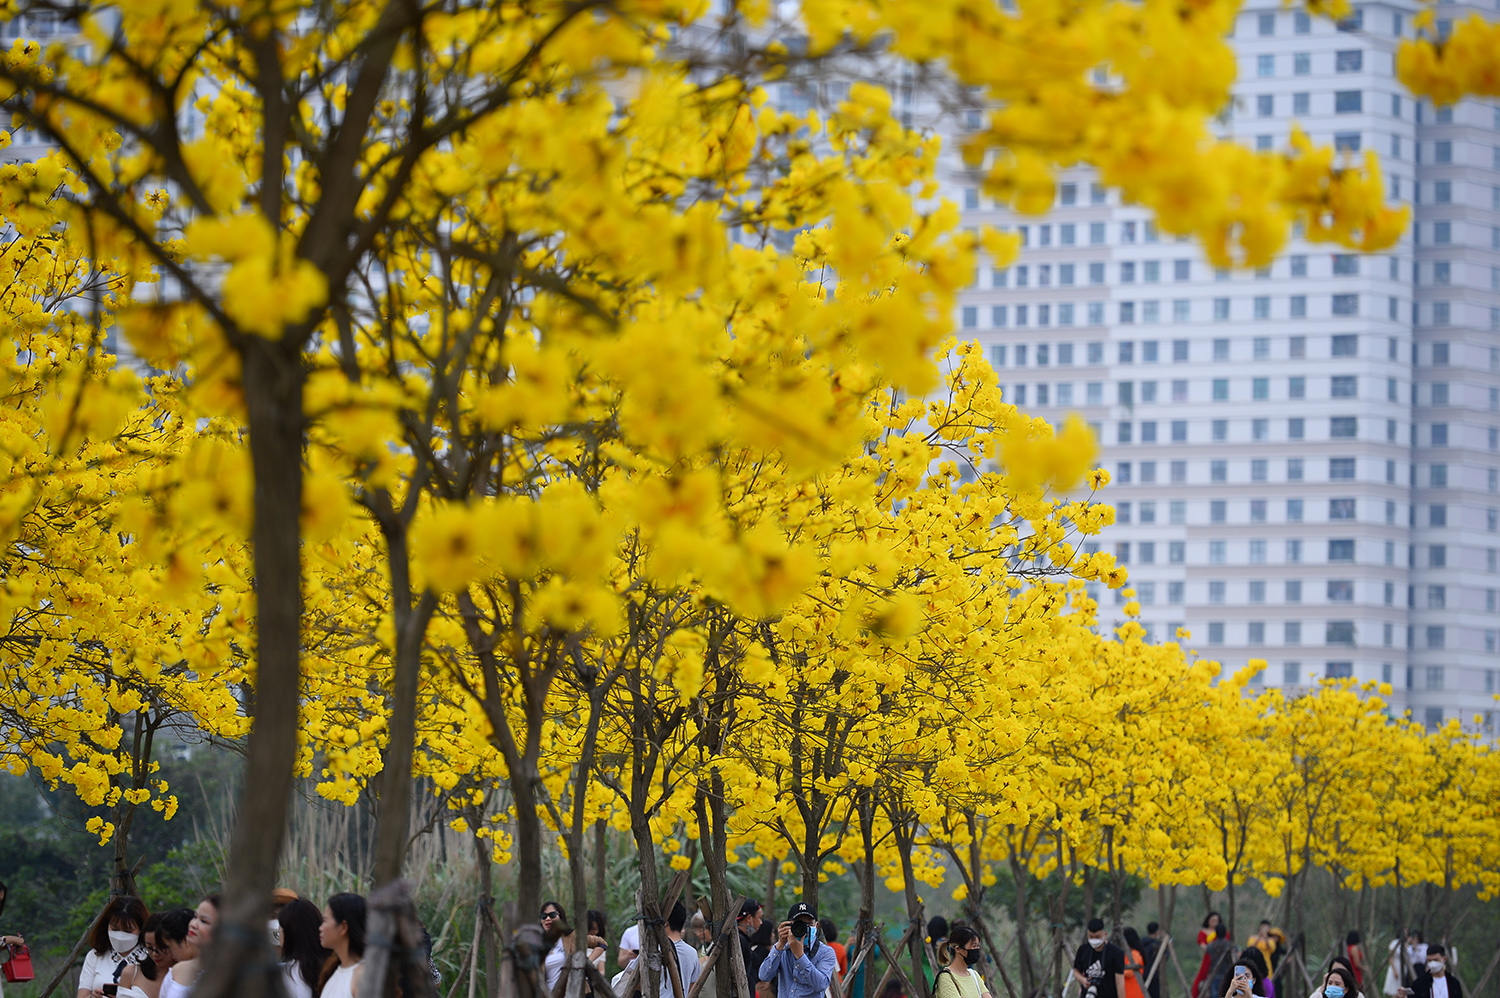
x=395, y=937
x=721, y=942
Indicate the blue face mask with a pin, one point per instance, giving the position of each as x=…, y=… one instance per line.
x=811, y=936
x=1333, y=991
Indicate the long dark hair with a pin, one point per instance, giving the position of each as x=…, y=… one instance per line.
x=299, y=920
x=147, y=963
x=350, y=909
x=120, y=908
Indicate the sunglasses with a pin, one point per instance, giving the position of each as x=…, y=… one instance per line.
x=549, y=915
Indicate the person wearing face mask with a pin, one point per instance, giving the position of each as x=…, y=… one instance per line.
x=961, y=977
x=114, y=945
x=1099, y=966
x=800, y=962
x=1338, y=983
x=1433, y=979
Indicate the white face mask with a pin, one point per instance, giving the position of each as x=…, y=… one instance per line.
x=274, y=927
x=1434, y=966
x=1096, y=943
x=123, y=942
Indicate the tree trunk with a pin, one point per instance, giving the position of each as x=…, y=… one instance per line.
x=273, y=381
x=601, y=866
x=393, y=809
x=585, y=767
x=1166, y=903
x=914, y=912
x=1022, y=879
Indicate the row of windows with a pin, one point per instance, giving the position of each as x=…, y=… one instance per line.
x=1339, y=469
x=1258, y=510
x=1344, y=386
x=1148, y=271
x=1180, y=351
x=1302, y=23
x=1151, y=311
x=1344, y=102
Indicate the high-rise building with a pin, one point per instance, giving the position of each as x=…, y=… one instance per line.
x=1306, y=458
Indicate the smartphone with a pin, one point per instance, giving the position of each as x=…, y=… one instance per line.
x=1241, y=970
x=110, y=990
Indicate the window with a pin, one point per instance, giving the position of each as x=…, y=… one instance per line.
x=1216, y=632
x=1258, y=467
x=1096, y=238
x=1294, y=469
x=1220, y=429
x=1432, y=717
x=1260, y=389
x=1339, y=670
x=1218, y=471
x=1068, y=194
x=1442, y=233
x=1179, y=351
x=1442, y=192
x=1344, y=386
x=1341, y=509
x=1302, y=63
x=1215, y=588
x=1440, y=393
x=1179, y=476
x=1217, y=510
x=1340, y=468
x=1291, y=672
x=1179, y=431
x=1442, y=151
x=1437, y=515
x=1267, y=24
x=1346, y=141
x=1258, y=591
x=1257, y=633
x=1257, y=511
x=1340, y=590
x=1174, y=592
x=1436, y=640
x=1257, y=552
x=1343, y=427
x=1439, y=434
x=1294, y=590
x=1294, y=552
x=1294, y=511
x=1265, y=104
x=1346, y=304
x=1437, y=597
x=1221, y=389
x=1437, y=556
x=1347, y=102
x=1341, y=550
x=1177, y=553
x=1260, y=429
x=1348, y=61
x=1437, y=476
x=1339, y=632
x=1345, y=345
x=1221, y=309
x=1296, y=388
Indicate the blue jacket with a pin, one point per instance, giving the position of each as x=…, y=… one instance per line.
x=806, y=976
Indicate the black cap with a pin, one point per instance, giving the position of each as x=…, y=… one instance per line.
x=801, y=909
x=750, y=907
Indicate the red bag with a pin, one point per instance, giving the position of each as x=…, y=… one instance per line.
x=18, y=967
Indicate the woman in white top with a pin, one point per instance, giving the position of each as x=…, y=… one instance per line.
x=173, y=932
x=302, y=955
x=557, y=956
x=343, y=932
x=114, y=945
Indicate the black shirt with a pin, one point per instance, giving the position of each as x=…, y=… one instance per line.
x=1100, y=966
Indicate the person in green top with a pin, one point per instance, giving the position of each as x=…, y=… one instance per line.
x=960, y=978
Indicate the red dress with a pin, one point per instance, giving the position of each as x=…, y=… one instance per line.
x=1204, y=938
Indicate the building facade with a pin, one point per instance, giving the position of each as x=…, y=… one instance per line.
x=1305, y=459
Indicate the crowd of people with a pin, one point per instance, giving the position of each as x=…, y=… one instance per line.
x=133, y=953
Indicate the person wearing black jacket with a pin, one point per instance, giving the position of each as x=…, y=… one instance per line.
x=1433, y=979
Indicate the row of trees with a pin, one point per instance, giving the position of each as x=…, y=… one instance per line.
x=474, y=448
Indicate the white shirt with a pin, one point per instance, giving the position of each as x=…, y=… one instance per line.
x=171, y=989
x=100, y=969
x=631, y=938
x=687, y=963
x=1440, y=987
x=296, y=987
x=341, y=984
x=552, y=967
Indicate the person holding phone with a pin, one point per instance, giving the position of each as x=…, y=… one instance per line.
x=800, y=963
x=1433, y=979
